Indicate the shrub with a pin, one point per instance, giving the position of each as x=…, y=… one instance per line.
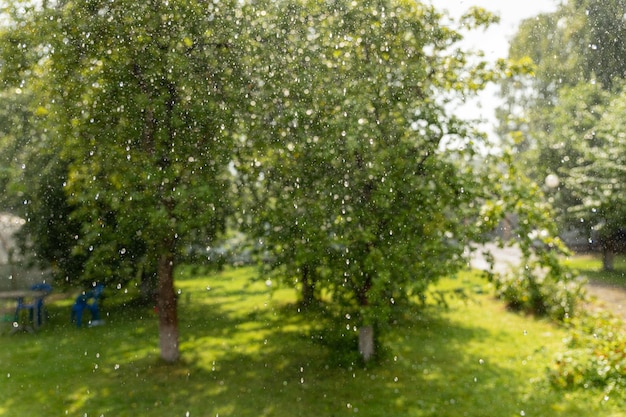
x=553, y=292
x=595, y=355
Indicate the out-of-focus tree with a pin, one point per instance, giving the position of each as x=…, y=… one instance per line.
x=598, y=182
x=352, y=189
x=577, y=53
x=582, y=41
x=134, y=97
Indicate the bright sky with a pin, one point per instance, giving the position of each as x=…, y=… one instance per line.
x=494, y=41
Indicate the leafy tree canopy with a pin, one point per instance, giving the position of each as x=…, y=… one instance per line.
x=556, y=116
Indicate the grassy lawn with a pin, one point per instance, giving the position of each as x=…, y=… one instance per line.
x=590, y=265
x=247, y=351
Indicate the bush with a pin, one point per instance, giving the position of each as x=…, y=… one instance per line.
x=554, y=292
x=595, y=355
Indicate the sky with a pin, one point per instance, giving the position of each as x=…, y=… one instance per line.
x=494, y=41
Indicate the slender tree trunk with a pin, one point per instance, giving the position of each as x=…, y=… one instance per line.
x=308, y=285
x=367, y=341
x=168, y=320
x=608, y=259
x=367, y=346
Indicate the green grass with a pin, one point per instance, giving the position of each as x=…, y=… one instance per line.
x=590, y=265
x=247, y=351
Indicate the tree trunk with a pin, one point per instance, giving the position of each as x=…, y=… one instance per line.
x=308, y=286
x=367, y=346
x=608, y=259
x=367, y=342
x=168, y=320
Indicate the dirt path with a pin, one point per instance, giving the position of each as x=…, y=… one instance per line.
x=609, y=297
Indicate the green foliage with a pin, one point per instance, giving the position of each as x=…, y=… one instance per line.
x=555, y=296
x=595, y=355
x=598, y=182
x=556, y=115
x=248, y=352
x=349, y=183
x=539, y=283
x=352, y=176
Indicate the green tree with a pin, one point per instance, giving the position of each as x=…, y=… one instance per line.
x=135, y=98
x=598, y=182
x=352, y=188
x=552, y=115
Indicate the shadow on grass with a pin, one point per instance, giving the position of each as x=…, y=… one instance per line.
x=244, y=355
x=590, y=266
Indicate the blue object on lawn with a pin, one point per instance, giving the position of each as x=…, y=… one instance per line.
x=35, y=305
x=82, y=303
